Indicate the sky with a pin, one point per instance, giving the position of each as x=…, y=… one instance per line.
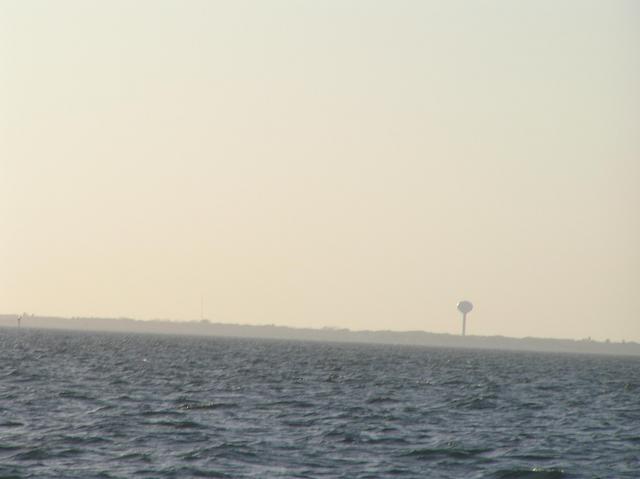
x=348, y=164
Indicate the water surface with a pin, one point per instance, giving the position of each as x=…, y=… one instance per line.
x=89, y=405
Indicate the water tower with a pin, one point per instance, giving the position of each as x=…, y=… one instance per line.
x=464, y=307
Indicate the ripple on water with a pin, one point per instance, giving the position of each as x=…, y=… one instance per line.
x=428, y=453
x=186, y=424
x=82, y=405
x=535, y=473
x=9, y=424
x=207, y=405
x=33, y=454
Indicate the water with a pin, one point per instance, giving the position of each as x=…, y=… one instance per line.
x=80, y=405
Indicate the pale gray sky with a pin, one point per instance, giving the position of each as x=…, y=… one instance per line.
x=360, y=164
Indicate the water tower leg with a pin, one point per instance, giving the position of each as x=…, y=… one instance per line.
x=464, y=324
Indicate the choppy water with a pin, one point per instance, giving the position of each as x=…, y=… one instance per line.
x=113, y=405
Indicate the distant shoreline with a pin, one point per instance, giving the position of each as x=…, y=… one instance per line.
x=415, y=338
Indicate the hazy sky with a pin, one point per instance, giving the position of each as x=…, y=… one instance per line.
x=359, y=164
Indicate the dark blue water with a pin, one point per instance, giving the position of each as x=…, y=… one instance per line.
x=82, y=405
